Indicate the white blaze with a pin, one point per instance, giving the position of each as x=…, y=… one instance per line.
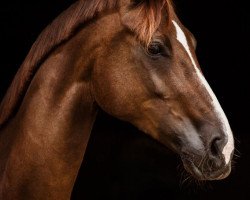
x=227, y=150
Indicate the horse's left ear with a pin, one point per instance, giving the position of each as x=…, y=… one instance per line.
x=143, y=17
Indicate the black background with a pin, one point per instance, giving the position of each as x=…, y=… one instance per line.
x=121, y=162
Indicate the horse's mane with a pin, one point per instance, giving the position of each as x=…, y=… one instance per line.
x=63, y=28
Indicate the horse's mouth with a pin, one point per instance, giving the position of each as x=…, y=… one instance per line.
x=199, y=174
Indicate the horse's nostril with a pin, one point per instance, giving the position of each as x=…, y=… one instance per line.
x=215, y=146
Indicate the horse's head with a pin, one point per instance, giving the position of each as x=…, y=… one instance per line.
x=148, y=75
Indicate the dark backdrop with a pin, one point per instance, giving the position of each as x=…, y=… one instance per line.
x=122, y=163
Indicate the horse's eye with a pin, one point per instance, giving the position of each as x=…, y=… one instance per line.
x=155, y=49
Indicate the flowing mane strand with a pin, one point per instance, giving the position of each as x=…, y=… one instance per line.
x=143, y=18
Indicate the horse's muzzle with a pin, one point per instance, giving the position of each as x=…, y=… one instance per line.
x=207, y=169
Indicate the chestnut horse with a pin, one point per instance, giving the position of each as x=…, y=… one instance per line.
x=132, y=58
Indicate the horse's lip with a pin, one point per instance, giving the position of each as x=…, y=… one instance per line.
x=196, y=173
x=192, y=169
x=220, y=174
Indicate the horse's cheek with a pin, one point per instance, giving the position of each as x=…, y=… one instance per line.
x=108, y=92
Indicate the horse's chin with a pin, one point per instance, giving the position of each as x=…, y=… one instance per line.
x=198, y=174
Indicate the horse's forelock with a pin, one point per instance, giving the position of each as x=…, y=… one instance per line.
x=144, y=17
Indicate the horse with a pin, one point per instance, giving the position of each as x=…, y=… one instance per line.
x=135, y=60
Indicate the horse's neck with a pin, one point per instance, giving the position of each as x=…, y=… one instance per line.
x=49, y=134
